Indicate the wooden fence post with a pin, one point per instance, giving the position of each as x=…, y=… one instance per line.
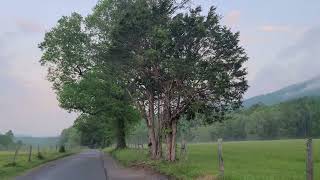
x=183, y=151
x=30, y=152
x=309, y=161
x=220, y=158
x=16, y=154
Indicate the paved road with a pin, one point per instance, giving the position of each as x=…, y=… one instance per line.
x=90, y=165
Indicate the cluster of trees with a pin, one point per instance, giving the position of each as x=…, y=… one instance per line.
x=162, y=61
x=7, y=141
x=70, y=137
x=287, y=120
x=92, y=135
x=41, y=141
x=293, y=119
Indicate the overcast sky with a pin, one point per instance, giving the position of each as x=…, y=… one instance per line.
x=281, y=37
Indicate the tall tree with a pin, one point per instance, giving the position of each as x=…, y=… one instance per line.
x=170, y=61
x=81, y=83
x=177, y=62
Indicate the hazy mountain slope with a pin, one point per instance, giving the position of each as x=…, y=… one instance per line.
x=307, y=88
x=42, y=141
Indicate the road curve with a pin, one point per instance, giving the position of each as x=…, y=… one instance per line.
x=89, y=165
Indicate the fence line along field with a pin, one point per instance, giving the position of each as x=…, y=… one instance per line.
x=15, y=161
x=246, y=160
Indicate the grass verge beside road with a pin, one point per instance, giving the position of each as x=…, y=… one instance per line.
x=252, y=160
x=8, y=171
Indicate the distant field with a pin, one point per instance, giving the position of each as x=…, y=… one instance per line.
x=254, y=160
x=22, y=164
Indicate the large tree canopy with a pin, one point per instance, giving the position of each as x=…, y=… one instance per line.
x=162, y=56
x=81, y=83
x=177, y=62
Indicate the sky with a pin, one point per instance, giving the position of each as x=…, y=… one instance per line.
x=281, y=38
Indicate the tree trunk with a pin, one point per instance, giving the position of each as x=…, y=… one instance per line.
x=159, y=131
x=121, y=134
x=171, y=138
x=159, y=139
x=153, y=144
x=153, y=135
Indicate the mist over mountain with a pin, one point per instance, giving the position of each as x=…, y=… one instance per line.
x=307, y=88
x=41, y=141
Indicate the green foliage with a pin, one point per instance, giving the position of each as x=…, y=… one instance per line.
x=185, y=61
x=252, y=160
x=191, y=55
x=95, y=131
x=10, y=134
x=82, y=83
x=65, y=51
x=40, y=156
x=41, y=141
x=62, y=149
x=285, y=120
x=136, y=53
x=7, y=141
x=70, y=137
x=139, y=134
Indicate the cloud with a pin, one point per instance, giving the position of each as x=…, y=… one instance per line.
x=28, y=26
x=307, y=47
x=275, y=28
x=295, y=63
x=233, y=17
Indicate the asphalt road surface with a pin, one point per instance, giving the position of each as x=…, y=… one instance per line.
x=90, y=165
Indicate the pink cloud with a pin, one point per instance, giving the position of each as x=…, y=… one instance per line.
x=233, y=17
x=28, y=26
x=275, y=28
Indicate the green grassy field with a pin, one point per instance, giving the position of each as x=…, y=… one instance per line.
x=252, y=160
x=9, y=172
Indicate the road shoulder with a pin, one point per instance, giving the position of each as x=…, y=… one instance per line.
x=115, y=171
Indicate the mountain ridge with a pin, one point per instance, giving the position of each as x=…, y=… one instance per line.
x=306, y=88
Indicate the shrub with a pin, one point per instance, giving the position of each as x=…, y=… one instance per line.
x=62, y=149
x=40, y=156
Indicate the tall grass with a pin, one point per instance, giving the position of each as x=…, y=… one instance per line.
x=9, y=171
x=251, y=160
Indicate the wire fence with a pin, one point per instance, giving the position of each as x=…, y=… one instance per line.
x=21, y=154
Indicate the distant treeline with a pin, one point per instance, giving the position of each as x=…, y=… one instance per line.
x=285, y=120
x=41, y=141
x=259, y=122
x=7, y=141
